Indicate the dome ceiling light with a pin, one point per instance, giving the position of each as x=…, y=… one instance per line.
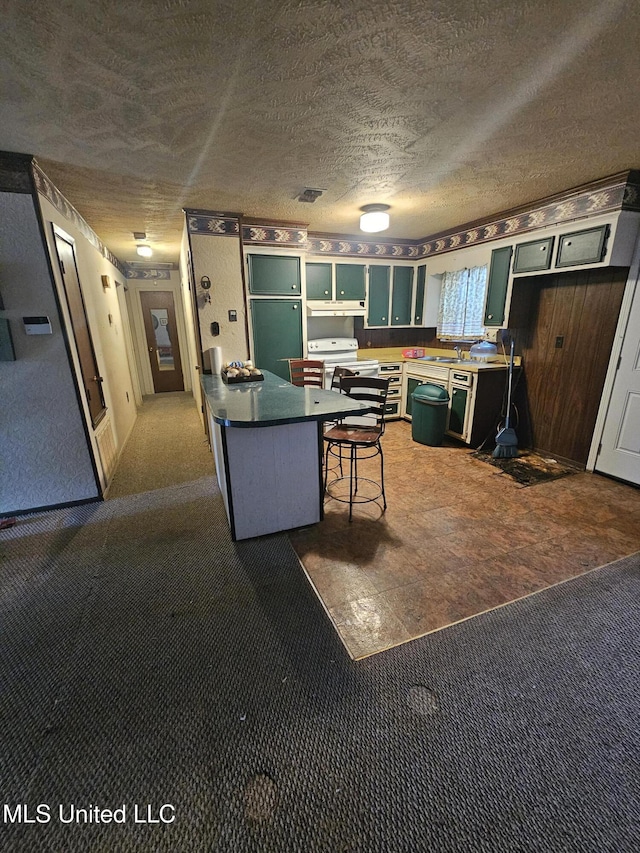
x=144, y=251
x=374, y=218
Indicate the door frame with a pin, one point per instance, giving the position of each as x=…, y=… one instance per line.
x=631, y=292
x=135, y=287
x=59, y=233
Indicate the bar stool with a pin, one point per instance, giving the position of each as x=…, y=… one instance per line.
x=358, y=441
x=306, y=372
x=338, y=373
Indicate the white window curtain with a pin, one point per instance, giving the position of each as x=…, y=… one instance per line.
x=461, y=310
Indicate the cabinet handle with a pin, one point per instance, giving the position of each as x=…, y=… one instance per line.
x=294, y=307
x=326, y=293
x=294, y=286
x=383, y=318
x=342, y=293
x=489, y=316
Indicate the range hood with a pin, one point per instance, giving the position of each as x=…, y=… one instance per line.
x=335, y=308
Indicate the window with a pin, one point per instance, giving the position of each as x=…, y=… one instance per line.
x=461, y=310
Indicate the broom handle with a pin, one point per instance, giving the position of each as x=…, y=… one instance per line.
x=507, y=421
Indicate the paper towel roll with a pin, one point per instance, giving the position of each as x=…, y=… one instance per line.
x=215, y=355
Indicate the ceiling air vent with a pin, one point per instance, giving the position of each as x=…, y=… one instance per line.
x=139, y=235
x=309, y=195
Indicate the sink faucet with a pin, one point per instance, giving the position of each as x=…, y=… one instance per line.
x=458, y=351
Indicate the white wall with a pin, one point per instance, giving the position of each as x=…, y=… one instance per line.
x=44, y=456
x=105, y=322
x=190, y=321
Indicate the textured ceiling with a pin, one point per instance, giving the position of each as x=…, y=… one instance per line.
x=448, y=110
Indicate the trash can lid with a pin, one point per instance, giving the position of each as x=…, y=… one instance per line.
x=431, y=394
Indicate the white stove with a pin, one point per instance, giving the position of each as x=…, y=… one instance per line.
x=340, y=352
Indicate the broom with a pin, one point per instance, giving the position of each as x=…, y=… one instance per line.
x=506, y=439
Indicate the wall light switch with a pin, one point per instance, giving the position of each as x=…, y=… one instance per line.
x=233, y=316
x=37, y=325
x=559, y=341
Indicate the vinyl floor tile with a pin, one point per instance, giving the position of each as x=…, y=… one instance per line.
x=458, y=538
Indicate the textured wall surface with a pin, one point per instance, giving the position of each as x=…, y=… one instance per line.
x=105, y=321
x=44, y=458
x=220, y=260
x=449, y=111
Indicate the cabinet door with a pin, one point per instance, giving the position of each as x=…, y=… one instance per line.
x=418, y=314
x=277, y=333
x=401, y=296
x=535, y=255
x=412, y=384
x=582, y=247
x=350, y=281
x=378, y=314
x=318, y=281
x=497, y=287
x=274, y=274
x=458, y=410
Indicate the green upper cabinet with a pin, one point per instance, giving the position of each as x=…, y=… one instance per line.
x=497, y=287
x=421, y=277
x=532, y=256
x=378, y=313
x=582, y=247
x=401, y=296
x=350, y=281
x=277, y=333
x=318, y=281
x=275, y=275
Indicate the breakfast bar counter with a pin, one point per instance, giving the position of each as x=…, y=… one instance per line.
x=266, y=438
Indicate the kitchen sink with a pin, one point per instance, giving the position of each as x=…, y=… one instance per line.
x=439, y=358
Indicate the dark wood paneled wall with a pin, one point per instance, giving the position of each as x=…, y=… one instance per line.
x=400, y=337
x=564, y=327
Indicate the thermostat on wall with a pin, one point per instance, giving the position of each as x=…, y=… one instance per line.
x=37, y=325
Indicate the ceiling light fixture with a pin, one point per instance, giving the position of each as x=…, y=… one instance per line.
x=144, y=251
x=374, y=217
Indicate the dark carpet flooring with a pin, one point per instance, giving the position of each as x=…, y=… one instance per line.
x=146, y=660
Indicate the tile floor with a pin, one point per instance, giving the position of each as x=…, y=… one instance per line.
x=459, y=537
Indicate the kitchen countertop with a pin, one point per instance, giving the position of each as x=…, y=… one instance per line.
x=273, y=401
x=393, y=354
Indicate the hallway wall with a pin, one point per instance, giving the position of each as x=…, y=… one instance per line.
x=105, y=321
x=44, y=456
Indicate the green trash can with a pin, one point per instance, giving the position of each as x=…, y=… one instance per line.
x=429, y=414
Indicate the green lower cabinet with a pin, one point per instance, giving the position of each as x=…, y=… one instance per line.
x=378, y=313
x=412, y=384
x=277, y=333
x=458, y=409
x=401, y=296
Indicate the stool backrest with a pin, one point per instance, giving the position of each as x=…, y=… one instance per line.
x=338, y=374
x=370, y=390
x=305, y=371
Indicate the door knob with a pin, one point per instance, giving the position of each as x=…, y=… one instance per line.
x=150, y=349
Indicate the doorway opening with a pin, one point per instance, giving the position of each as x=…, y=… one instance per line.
x=159, y=316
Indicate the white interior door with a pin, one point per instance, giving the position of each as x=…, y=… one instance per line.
x=619, y=453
